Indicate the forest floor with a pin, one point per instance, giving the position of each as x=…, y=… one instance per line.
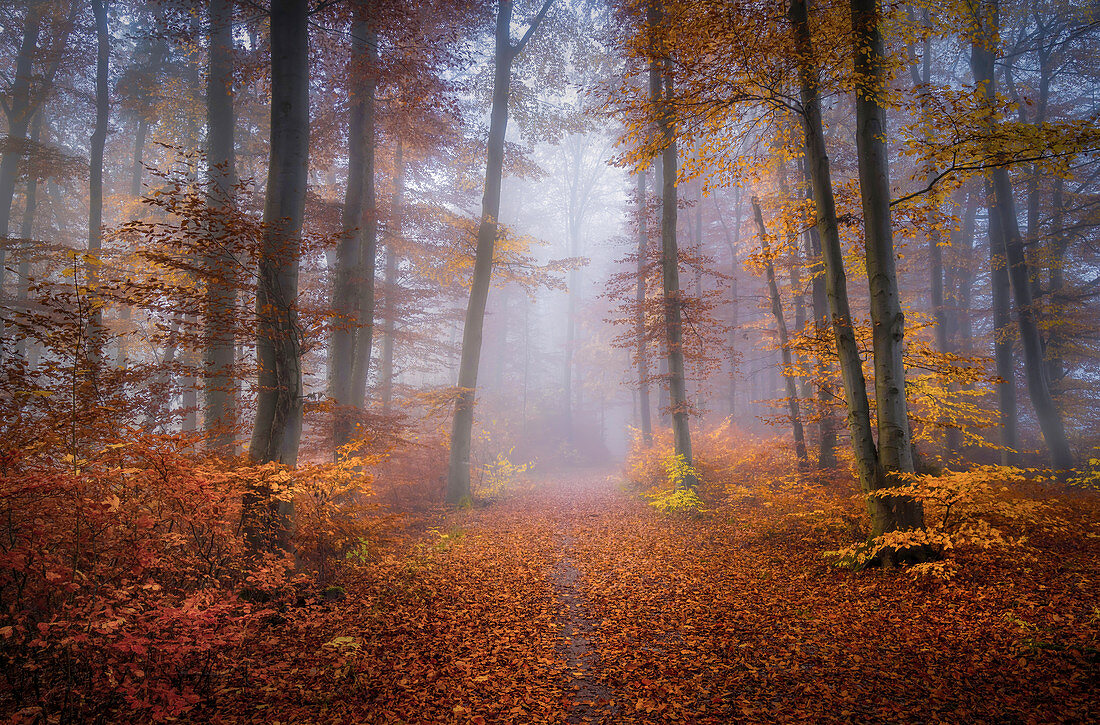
x=576, y=602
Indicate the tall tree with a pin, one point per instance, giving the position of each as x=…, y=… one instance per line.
x=984, y=49
x=458, y=468
x=95, y=176
x=19, y=109
x=353, y=287
x=784, y=339
x=885, y=516
x=278, y=344
x=887, y=321
x=641, y=352
x=670, y=256
x=393, y=241
x=221, y=297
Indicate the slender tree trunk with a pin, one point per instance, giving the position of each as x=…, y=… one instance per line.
x=1002, y=334
x=571, y=333
x=871, y=475
x=670, y=265
x=1038, y=384
x=389, y=321
x=365, y=302
x=733, y=240
x=95, y=175
x=895, y=448
x=1059, y=247
x=278, y=344
x=349, y=248
x=219, y=389
x=19, y=117
x=983, y=55
x=784, y=340
x=458, y=469
x=26, y=234
x=138, y=166
x=642, y=348
x=827, y=438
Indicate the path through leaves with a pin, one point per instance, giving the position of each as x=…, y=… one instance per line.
x=577, y=603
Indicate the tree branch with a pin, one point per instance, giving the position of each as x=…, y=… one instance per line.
x=518, y=47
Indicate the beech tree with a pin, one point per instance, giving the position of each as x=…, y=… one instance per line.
x=277, y=428
x=458, y=468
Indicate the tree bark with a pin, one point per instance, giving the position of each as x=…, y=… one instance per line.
x=1038, y=382
x=733, y=240
x=365, y=299
x=219, y=388
x=95, y=176
x=458, y=468
x=670, y=265
x=827, y=434
x=895, y=449
x=26, y=234
x=871, y=474
x=349, y=250
x=982, y=58
x=642, y=348
x=389, y=321
x=278, y=344
x=1002, y=334
x=19, y=117
x=784, y=340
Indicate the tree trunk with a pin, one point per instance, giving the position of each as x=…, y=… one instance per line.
x=855, y=388
x=278, y=345
x=458, y=469
x=389, y=322
x=1038, y=383
x=368, y=252
x=26, y=234
x=570, y=335
x=895, y=450
x=95, y=175
x=670, y=264
x=1002, y=334
x=982, y=58
x=219, y=387
x=1059, y=247
x=642, y=348
x=784, y=340
x=349, y=248
x=19, y=117
x=827, y=441
x=733, y=241
x=138, y=166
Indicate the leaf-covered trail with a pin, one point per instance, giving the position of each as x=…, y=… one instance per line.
x=577, y=603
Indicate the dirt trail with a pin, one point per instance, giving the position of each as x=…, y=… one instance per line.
x=576, y=603
x=575, y=508
x=579, y=506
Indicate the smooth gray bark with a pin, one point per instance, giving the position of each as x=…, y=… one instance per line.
x=219, y=386
x=349, y=250
x=458, y=468
x=895, y=449
x=784, y=339
x=95, y=175
x=670, y=272
x=641, y=352
x=982, y=58
x=278, y=344
x=871, y=474
x=389, y=322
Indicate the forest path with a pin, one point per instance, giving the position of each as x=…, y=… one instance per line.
x=575, y=602
x=575, y=508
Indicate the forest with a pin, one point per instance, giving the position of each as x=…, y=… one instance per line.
x=549, y=361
